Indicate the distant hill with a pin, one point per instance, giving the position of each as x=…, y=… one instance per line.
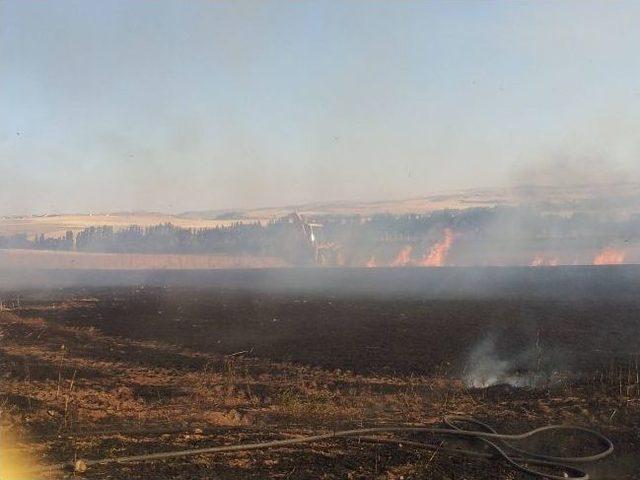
x=623, y=198
x=608, y=199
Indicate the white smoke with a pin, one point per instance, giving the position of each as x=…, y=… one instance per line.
x=486, y=368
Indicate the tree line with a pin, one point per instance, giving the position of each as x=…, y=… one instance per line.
x=286, y=238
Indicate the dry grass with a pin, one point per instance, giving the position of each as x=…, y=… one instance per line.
x=43, y=259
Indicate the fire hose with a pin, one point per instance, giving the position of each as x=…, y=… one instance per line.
x=500, y=447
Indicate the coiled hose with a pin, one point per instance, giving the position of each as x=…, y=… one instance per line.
x=499, y=443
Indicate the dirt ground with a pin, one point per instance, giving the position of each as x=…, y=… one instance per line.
x=96, y=372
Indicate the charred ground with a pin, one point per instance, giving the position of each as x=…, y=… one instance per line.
x=145, y=363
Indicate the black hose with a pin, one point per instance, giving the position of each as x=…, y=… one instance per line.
x=499, y=443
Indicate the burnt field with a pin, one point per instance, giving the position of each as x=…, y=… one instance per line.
x=100, y=364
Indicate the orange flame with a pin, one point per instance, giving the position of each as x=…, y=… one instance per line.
x=609, y=256
x=371, y=263
x=403, y=258
x=437, y=256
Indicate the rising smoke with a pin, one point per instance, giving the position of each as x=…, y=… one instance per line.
x=487, y=366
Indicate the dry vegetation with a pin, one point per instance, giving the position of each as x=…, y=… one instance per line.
x=109, y=372
x=16, y=259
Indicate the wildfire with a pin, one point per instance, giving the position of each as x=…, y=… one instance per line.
x=540, y=261
x=371, y=263
x=403, y=258
x=437, y=255
x=609, y=256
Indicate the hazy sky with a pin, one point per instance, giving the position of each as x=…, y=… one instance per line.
x=177, y=105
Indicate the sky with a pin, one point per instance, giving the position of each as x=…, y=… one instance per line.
x=203, y=105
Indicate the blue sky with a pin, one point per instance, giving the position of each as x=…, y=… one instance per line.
x=173, y=105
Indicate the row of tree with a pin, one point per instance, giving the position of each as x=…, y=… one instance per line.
x=39, y=242
x=286, y=237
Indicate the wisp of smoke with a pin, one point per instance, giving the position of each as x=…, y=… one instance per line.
x=486, y=368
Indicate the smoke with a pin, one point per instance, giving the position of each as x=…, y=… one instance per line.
x=567, y=171
x=586, y=179
x=487, y=367
x=560, y=209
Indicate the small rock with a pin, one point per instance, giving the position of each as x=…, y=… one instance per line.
x=80, y=466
